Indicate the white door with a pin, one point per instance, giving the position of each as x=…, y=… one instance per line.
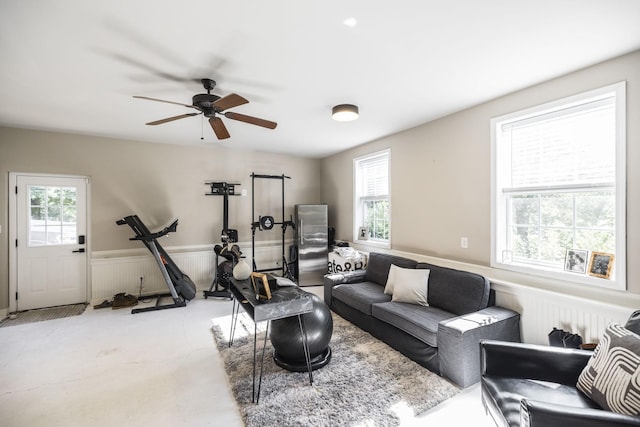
x=51, y=222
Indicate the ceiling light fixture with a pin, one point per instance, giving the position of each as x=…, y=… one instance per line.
x=350, y=22
x=345, y=112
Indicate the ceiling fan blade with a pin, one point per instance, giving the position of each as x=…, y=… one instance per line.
x=162, y=100
x=219, y=128
x=229, y=101
x=170, y=119
x=250, y=119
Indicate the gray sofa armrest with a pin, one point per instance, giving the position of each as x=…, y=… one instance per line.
x=459, y=341
x=331, y=280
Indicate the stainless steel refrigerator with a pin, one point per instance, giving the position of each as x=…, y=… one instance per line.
x=312, y=242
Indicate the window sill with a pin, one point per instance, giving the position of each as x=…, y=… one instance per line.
x=563, y=277
x=373, y=244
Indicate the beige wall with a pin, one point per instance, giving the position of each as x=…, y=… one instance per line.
x=440, y=172
x=158, y=182
x=440, y=179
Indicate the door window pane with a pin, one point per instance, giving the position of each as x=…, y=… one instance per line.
x=53, y=213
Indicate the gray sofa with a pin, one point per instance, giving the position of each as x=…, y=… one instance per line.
x=443, y=336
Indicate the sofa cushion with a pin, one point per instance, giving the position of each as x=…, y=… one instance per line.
x=360, y=296
x=459, y=292
x=378, y=266
x=611, y=375
x=410, y=285
x=417, y=321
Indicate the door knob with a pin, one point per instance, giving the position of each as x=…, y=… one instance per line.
x=81, y=250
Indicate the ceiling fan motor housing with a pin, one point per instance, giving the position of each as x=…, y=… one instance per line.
x=204, y=102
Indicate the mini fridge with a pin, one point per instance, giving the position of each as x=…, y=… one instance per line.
x=312, y=242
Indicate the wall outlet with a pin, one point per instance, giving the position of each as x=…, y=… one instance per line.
x=464, y=242
x=244, y=192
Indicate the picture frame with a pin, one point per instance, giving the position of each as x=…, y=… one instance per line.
x=260, y=284
x=363, y=233
x=575, y=261
x=601, y=264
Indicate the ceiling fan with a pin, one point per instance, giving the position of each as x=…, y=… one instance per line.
x=213, y=106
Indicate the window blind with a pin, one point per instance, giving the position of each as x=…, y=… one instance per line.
x=575, y=146
x=375, y=176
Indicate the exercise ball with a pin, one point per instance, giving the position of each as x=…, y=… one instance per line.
x=287, y=340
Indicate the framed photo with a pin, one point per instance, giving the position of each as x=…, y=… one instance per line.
x=575, y=261
x=260, y=286
x=363, y=233
x=601, y=264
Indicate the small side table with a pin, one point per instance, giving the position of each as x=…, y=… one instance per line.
x=287, y=301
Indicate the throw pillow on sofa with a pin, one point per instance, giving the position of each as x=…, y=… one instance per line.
x=612, y=375
x=411, y=286
x=391, y=278
x=388, y=288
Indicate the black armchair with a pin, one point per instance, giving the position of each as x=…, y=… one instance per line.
x=534, y=385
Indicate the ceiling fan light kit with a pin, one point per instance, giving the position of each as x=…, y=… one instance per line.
x=345, y=112
x=212, y=106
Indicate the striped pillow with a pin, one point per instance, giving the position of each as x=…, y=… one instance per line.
x=612, y=376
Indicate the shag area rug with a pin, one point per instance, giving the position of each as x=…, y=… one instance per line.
x=367, y=383
x=42, y=314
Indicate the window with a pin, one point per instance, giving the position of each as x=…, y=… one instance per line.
x=52, y=216
x=558, y=187
x=371, y=192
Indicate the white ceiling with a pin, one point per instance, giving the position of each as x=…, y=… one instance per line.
x=73, y=65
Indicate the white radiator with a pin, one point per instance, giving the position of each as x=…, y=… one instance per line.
x=541, y=311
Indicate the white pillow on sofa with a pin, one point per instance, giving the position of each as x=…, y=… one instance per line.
x=410, y=285
x=388, y=288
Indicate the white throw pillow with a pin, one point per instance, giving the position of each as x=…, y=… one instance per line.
x=388, y=288
x=411, y=285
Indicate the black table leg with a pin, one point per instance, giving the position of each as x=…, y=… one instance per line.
x=305, y=345
x=234, y=320
x=264, y=346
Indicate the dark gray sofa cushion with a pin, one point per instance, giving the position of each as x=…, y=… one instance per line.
x=456, y=291
x=416, y=320
x=360, y=295
x=379, y=264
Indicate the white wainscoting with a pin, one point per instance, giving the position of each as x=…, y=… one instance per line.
x=120, y=271
x=543, y=304
x=541, y=310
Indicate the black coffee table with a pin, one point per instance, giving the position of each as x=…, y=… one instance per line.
x=286, y=301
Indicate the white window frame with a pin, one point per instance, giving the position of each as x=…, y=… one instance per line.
x=499, y=210
x=358, y=201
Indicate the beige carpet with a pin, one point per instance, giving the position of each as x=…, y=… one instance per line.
x=42, y=314
x=367, y=383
